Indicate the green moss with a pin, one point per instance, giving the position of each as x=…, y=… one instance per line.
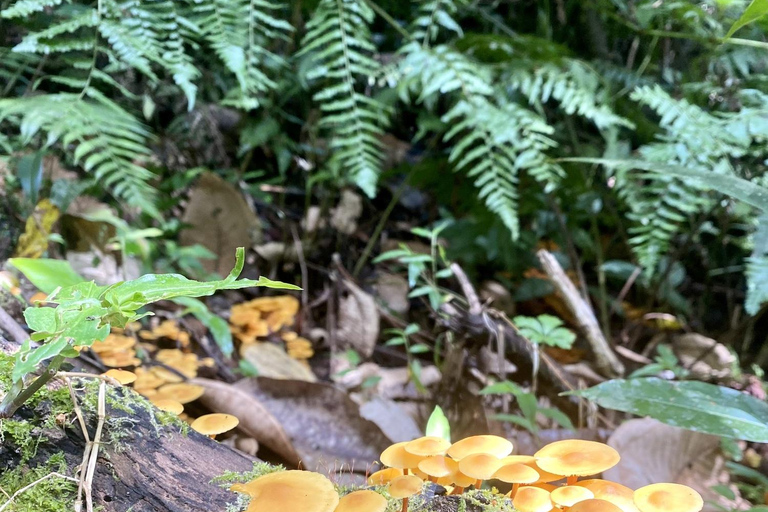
x=53, y=494
x=21, y=435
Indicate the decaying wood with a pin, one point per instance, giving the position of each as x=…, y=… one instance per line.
x=145, y=471
x=606, y=361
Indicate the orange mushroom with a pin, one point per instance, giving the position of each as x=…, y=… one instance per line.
x=384, y=476
x=122, y=376
x=516, y=474
x=396, y=457
x=182, y=393
x=574, y=458
x=479, y=466
x=491, y=445
x=403, y=487
x=427, y=446
x=594, y=505
x=213, y=424
x=668, y=498
x=569, y=495
x=362, y=501
x=619, y=495
x=438, y=466
x=290, y=491
x=532, y=499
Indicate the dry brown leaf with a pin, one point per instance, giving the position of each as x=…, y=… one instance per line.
x=255, y=420
x=705, y=357
x=272, y=361
x=219, y=220
x=652, y=452
x=323, y=423
x=393, y=290
x=34, y=242
x=358, y=320
x=344, y=216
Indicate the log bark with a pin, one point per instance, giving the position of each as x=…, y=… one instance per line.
x=145, y=471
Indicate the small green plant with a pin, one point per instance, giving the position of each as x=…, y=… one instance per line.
x=545, y=330
x=665, y=362
x=528, y=405
x=402, y=337
x=85, y=312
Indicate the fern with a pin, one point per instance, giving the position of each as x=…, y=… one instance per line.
x=662, y=206
x=573, y=84
x=101, y=137
x=339, y=41
x=238, y=31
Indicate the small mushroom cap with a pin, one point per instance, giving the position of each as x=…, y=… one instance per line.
x=290, y=491
x=438, y=466
x=491, y=445
x=384, y=476
x=362, y=501
x=182, y=393
x=428, y=445
x=668, y=498
x=213, y=424
x=460, y=479
x=532, y=499
x=479, y=466
x=122, y=376
x=543, y=485
x=528, y=460
x=569, y=495
x=594, y=505
x=405, y=486
x=168, y=405
x=516, y=474
x=620, y=495
x=574, y=457
x=396, y=457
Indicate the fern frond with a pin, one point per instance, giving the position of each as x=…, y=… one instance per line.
x=239, y=32
x=493, y=144
x=100, y=136
x=574, y=85
x=434, y=15
x=662, y=206
x=757, y=269
x=339, y=41
x=24, y=8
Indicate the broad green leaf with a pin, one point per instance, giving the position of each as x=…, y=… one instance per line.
x=27, y=358
x=437, y=425
x=502, y=388
x=47, y=274
x=756, y=10
x=218, y=326
x=737, y=188
x=692, y=405
x=41, y=319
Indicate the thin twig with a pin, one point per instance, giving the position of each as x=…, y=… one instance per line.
x=86, y=452
x=475, y=308
x=29, y=486
x=303, y=266
x=12, y=327
x=95, y=450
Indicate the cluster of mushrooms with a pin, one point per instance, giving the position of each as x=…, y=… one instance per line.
x=547, y=481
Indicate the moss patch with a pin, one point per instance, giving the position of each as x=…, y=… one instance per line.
x=53, y=494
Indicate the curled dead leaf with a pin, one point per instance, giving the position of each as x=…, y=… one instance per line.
x=358, y=320
x=255, y=420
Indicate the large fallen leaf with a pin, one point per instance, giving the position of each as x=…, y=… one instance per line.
x=34, y=242
x=220, y=220
x=255, y=419
x=271, y=361
x=697, y=406
x=391, y=418
x=322, y=422
x=653, y=452
x=358, y=320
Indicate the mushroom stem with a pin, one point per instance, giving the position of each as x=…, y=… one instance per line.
x=572, y=480
x=212, y=436
x=405, y=505
x=478, y=484
x=515, y=487
x=457, y=490
x=432, y=479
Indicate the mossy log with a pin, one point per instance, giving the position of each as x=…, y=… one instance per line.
x=146, y=463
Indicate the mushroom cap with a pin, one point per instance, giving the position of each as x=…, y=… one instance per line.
x=620, y=495
x=213, y=424
x=122, y=376
x=396, y=457
x=492, y=445
x=460, y=479
x=428, y=445
x=182, y=393
x=384, y=476
x=404, y=486
x=516, y=474
x=479, y=466
x=594, y=505
x=569, y=495
x=290, y=491
x=168, y=405
x=532, y=499
x=362, y=501
x=574, y=457
x=530, y=461
x=438, y=466
x=668, y=498
x=543, y=485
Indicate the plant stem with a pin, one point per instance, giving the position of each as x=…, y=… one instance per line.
x=18, y=395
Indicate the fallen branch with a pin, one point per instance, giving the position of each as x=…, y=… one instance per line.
x=606, y=361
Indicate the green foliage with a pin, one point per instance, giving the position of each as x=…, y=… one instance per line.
x=666, y=361
x=338, y=42
x=51, y=494
x=85, y=312
x=545, y=330
x=692, y=405
x=47, y=274
x=528, y=405
x=757, y=9
x=437, y=424
x=218, y=326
